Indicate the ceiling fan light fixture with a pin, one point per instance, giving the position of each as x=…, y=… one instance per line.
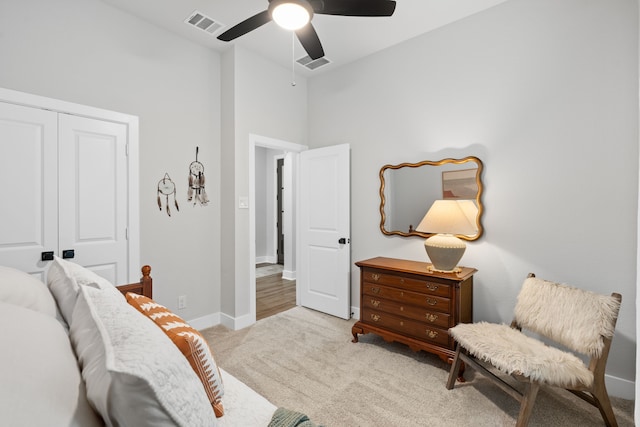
x=291, y=14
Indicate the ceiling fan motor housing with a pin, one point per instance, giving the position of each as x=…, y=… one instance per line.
x=287, y=4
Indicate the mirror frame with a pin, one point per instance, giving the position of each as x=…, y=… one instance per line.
x=478, y=198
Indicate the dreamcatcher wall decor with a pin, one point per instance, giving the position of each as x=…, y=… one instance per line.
x=196, y=192
x=166, y=188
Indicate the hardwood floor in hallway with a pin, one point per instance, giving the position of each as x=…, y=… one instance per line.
x=274, y=295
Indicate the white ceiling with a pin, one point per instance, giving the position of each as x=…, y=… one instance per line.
x=344, y=39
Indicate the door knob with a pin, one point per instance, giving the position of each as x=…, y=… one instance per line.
x=342, y=241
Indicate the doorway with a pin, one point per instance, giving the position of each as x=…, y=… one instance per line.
x=289, y=152
x=274, y=293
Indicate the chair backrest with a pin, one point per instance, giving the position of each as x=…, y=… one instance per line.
x=573, y=317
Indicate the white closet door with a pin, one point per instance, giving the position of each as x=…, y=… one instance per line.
x=93, y=194
x=28, y=187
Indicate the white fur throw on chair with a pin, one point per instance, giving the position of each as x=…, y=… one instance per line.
x=573, y=317
x=512, y=352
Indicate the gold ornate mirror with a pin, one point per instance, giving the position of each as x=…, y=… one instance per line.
x=408, y=190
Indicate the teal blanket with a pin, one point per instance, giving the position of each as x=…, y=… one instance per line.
x=287, y=418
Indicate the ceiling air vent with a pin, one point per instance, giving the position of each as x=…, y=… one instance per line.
x=203, y=22
x=312, y=64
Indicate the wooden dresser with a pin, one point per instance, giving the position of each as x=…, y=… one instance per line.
x=404, y=301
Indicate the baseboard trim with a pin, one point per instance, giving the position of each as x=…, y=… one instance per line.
x=288, y=275
x=235, y=323
x=205, y=322
x=619, y=387
x=215, y=319
x=266, y=259
x=355, y=313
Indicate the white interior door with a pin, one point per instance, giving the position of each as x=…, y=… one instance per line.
x=93, y=194
x=324, y=261
x=29, y=177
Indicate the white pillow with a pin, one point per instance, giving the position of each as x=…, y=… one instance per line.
x=64, y=279
x=63, y=287
x=20, y=288
x=135, y=375
x=84, y=276
x=41, y=382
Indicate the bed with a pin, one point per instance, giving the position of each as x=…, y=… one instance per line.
x=78, y=352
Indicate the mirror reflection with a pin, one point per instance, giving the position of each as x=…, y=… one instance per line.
x=408, y=190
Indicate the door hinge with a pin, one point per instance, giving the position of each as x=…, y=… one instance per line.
x=126, y=149
x=126, y=233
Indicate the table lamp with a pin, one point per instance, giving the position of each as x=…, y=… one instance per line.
x=446, y=218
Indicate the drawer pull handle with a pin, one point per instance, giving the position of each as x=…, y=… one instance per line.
x=432, y=287
x=375, y=303
x=431, y=334
x=375, y=277
x=375, y=290
x=431, y=317
x=431, y=301
x=375, y=317
x=402, y=281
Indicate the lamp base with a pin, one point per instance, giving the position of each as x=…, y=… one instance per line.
x=444, y=251
x=431, y=268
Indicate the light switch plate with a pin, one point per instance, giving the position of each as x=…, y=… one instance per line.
x=243, y=202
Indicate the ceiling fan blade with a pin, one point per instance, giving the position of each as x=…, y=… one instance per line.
x=245, y=26
x=354, y=7
x=310, y=41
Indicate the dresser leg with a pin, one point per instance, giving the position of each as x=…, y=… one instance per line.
x=355, y=330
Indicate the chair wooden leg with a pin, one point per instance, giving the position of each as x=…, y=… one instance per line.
x=526, y=405
x=455, y=367
x=604, y=405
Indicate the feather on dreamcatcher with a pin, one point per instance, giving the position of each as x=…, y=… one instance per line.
x=196, y=192
x=166, y=187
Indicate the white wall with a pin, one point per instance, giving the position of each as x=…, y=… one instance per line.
x=263, y=102
x=545, y=93
x=261, y=203
x=87, y=52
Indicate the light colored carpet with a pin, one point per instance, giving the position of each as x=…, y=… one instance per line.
x=305, y=361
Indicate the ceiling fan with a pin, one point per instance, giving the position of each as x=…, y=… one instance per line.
x=296, y=15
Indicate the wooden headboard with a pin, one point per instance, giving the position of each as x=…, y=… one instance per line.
x=143, y=287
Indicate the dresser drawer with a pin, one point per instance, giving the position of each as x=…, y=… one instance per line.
x=397, y=308
x=427, y=301
x=407, y=327
x=413, y=283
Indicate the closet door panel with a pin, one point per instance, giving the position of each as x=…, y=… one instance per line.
x=93, y=194
x=28, y=187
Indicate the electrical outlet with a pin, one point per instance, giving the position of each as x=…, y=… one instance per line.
x=182, y=301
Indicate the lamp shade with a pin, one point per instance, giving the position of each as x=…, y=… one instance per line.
x=450, y=217
x=291, y=14
x=445, y=219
